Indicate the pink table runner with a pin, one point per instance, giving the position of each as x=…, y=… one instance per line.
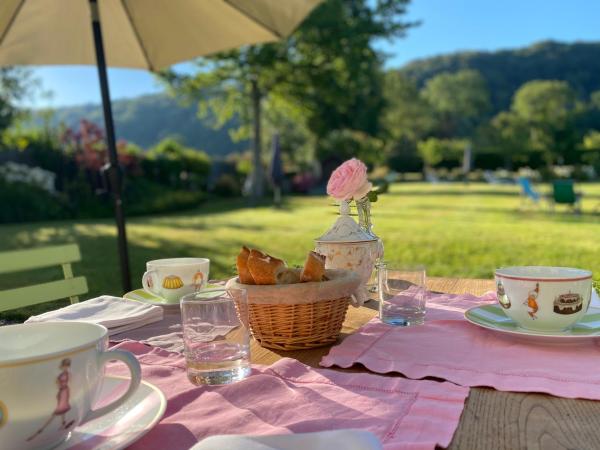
x=449, y=347
x=290, y=397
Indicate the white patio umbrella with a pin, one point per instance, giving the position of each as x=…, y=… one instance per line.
x=144, y=34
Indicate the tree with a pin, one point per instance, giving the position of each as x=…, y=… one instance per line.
x=408, y=115
x=460, y=101
x=507, y=135
x=328, y=65
x=591, y=149
x=15, y=85
x=549, y=108
x=435, y=151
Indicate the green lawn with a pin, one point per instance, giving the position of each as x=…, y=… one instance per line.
x=454, y=229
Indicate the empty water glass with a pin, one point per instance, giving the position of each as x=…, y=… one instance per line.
x=402, y=295
x=215, y=335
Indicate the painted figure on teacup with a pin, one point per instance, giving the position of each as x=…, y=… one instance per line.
x=197, y=280
x=62, y=400
x=532, y=305
x=502, y=297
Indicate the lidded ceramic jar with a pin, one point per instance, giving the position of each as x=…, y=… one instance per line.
x=347, y=246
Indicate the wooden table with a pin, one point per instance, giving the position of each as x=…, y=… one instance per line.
x=491, y=419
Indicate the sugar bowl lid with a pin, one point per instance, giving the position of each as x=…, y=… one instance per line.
x=345, y=229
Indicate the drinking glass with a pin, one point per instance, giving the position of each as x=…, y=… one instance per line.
x=215, y=335
x=402, y=294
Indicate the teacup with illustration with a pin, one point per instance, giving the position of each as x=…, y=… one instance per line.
x=540, y=298
x=173, y=278
x=50, y=377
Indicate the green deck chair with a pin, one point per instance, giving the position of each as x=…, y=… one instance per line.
x=22, y=260
x=563, y=193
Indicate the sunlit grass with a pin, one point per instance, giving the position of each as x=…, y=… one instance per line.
x=454, y=229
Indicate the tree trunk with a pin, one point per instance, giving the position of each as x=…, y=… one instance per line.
x=257, y=178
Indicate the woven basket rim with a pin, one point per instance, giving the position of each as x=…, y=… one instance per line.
x=341, y=283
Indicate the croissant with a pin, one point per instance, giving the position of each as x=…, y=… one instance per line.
x=314, y=267
x=242, y=266
x=264, y=268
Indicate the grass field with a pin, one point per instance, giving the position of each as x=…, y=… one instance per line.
x=453, y=229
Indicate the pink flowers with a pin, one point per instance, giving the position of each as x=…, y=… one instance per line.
x=349, y=181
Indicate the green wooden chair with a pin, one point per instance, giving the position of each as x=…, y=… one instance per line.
x=563, y=193
x=22, y=260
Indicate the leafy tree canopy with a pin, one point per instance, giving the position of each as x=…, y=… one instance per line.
x=460, y=99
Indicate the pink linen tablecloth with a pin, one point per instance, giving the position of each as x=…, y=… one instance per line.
x=450, y=348
x=290, y=397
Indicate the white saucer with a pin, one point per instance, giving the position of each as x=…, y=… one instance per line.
x=143, y=296
x=493, y=318
x=124, y=425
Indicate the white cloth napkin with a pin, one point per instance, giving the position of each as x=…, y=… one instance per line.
x=115, y=313
x=322, y=440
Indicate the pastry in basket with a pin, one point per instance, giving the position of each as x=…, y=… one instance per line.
x=242, y=266
x=264, y=268
x=314, y=267
x=256, y=267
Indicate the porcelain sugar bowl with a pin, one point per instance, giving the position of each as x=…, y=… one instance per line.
x=347, y=246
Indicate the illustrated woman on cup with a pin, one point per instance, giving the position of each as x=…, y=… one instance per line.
x=62, y=399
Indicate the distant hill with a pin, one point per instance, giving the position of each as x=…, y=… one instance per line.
x=147, y=119
x=506, y=70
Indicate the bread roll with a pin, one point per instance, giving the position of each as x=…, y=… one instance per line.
x=242, y=266
x=314, y=267
x=264, y=268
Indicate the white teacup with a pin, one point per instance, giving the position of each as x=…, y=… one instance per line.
x=543, y=298
x=50, y=376
x=173, y=278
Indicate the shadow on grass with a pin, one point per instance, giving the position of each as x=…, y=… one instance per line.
x=100, y=264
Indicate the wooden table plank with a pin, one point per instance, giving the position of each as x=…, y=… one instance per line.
x=491, y=419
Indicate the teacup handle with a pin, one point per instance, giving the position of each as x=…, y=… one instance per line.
x=136, y=376
x=148, y=275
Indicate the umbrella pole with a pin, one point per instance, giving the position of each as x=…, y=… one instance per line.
x=112, y=169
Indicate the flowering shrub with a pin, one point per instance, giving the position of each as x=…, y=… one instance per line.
x=13, y=172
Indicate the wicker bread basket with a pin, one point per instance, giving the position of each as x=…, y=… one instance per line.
x=302, y=315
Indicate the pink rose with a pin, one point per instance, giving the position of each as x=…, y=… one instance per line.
x=349, y=181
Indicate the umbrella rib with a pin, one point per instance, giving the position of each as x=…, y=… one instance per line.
x=254, y=19
x=11, y=21
x=137, y=35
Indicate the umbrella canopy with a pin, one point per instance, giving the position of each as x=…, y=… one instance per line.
x=145, y=34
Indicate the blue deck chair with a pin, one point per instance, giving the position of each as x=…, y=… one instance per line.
x=527, y=191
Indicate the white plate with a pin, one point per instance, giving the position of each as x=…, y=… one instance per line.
x=124, y=425
x=141, y=295
x=493, y=318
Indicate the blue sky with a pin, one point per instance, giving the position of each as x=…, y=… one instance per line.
x=448, y=26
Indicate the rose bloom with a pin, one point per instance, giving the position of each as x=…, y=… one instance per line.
x=349, y=181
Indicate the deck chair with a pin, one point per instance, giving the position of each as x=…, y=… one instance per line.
x=563, y=193
x=528, y=193
x=23, y=260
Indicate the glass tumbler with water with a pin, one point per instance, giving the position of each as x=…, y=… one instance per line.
x=216, y=336
x=402, y=295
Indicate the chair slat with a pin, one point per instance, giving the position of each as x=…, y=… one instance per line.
x=20, y=260
x=41, y=293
